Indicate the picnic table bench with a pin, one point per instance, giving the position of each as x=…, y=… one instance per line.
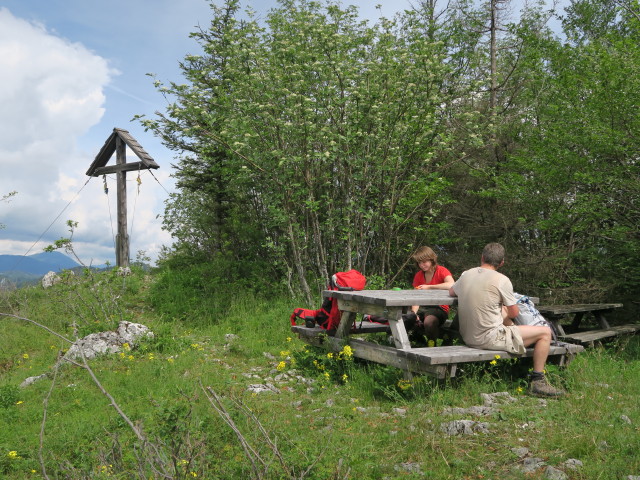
x=556, y=313
x=441, y=362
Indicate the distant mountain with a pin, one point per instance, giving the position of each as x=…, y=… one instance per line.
x=38, y=264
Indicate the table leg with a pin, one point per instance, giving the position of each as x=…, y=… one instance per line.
x=599, y=314
x=400, y=336
x=346, y=321
x=576, y=320
x=556, y=323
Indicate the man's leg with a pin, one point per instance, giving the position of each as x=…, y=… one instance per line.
x=540, y=338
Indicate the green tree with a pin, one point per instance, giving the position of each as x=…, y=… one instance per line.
x=328, y=134
x=576, y=169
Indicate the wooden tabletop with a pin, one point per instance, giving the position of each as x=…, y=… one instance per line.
x=395, y=298
x=581, y=307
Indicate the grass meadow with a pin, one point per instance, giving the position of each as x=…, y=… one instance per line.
x=186, y=404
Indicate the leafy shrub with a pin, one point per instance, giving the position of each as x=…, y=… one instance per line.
x=8, y=395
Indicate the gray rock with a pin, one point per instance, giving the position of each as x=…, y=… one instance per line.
x=498, y=398
x=123, y=271
x=572, y=464
x=132, y=333
x=262, y=388
x=521, y=452
x=32, y=380
x=625, y=419
x=464, y=427
x=531, y=464
x=50, y=279
x=107, y=342
x=478, y=410
x=400, y=411
x=410, y=467
x=633, y=477
x=554, y=474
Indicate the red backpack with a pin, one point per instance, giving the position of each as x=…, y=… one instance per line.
x=328, y=315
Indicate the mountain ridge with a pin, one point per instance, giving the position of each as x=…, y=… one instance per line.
x=37, y=264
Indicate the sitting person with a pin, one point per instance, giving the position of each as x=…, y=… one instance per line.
x=486, y=305
x=430, y=276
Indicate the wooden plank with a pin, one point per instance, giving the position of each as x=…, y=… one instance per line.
x=394, y=298
x=595, y=335
x=440, y=362
x=575, y=308
x=361, y=328
x=374, y=353
x=463, y=354
x=127, y=167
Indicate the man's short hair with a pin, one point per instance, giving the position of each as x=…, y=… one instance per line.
x=493, y=254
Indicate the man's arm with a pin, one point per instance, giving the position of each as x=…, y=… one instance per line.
x=452, y=292
x=508, y=314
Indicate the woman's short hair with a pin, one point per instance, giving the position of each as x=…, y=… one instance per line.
x=423, y=254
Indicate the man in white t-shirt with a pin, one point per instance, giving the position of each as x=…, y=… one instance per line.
x=486, y=305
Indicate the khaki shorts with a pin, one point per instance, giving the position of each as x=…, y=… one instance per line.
x=505, y=338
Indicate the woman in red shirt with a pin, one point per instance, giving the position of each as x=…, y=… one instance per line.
x=430, y=276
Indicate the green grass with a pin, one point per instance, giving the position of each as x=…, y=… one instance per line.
x=344, y=426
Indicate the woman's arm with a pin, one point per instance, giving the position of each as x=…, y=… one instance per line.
x=446, y=285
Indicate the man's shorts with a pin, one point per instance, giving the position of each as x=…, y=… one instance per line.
x=505, y=338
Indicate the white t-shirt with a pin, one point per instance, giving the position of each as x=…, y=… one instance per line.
x=481, y=294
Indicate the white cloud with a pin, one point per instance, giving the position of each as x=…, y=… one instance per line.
x=52, y=94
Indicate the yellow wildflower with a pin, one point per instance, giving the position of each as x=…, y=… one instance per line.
x=329, y=355
x=497, y=357
x=493, y=362
x=19, y=402
x=25, y=356
x=130, y=357
x=344, y=377
x=281, y=366
x=326, y=375
x=404, y=384
x=13, y=454
x=431, y=343
x=289, y=339
x=347, y=351
x=519, y=390
x=170, y=360
x=126, y=346
x=284, y=353
x=151, y=356
x=194, y=474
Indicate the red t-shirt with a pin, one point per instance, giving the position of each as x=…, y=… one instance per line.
x=438, y=277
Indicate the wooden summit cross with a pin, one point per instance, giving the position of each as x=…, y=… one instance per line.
x=118, y=142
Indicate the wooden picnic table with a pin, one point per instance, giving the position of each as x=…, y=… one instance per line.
x=391, y=304
x=577, y=312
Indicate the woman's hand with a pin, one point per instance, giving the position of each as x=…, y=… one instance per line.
x=423, y=287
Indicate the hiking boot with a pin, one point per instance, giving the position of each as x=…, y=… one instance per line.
x=542, y=388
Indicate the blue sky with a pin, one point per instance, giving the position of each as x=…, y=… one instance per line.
x=71, y=71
